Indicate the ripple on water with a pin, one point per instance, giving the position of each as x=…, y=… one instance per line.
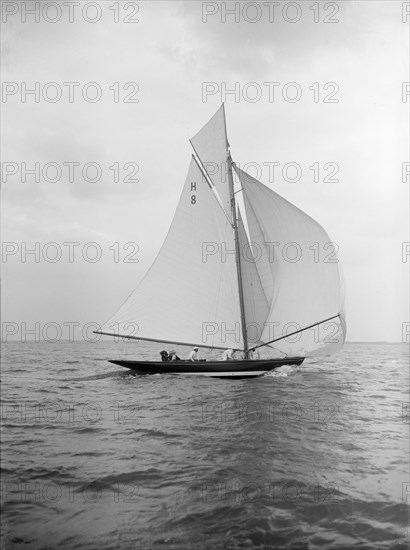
x=305, y=457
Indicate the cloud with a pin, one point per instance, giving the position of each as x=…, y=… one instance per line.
x=170, y=53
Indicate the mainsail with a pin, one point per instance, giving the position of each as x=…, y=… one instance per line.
x=240, y=280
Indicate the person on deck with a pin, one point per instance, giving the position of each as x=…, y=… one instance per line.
x=253, y=354
x=193, y=356
x=228, y=355
x=173, y=356
x=164, y=355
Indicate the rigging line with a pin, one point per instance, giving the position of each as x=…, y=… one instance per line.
x=160, y=340
x=218, y=296
x=238, y=260
x=203, y=171
x=237, y=244
x=297, y=331
x=301, y=330
x=209, y=181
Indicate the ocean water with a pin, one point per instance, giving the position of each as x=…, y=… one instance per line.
x=306, y=457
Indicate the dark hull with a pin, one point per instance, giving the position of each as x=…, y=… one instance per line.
x=218, y=369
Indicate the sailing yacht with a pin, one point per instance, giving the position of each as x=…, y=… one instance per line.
x=241, y=274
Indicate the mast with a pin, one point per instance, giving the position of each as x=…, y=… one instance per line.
x=237, y=245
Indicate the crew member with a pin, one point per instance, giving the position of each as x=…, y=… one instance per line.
x=228, y=355
x=193, y=356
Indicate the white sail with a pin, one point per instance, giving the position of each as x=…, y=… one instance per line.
x=190, y=293
x=255, y=301
x=211, y=146
x=298, y=270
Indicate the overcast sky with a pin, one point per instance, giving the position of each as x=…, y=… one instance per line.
x=170, y=53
